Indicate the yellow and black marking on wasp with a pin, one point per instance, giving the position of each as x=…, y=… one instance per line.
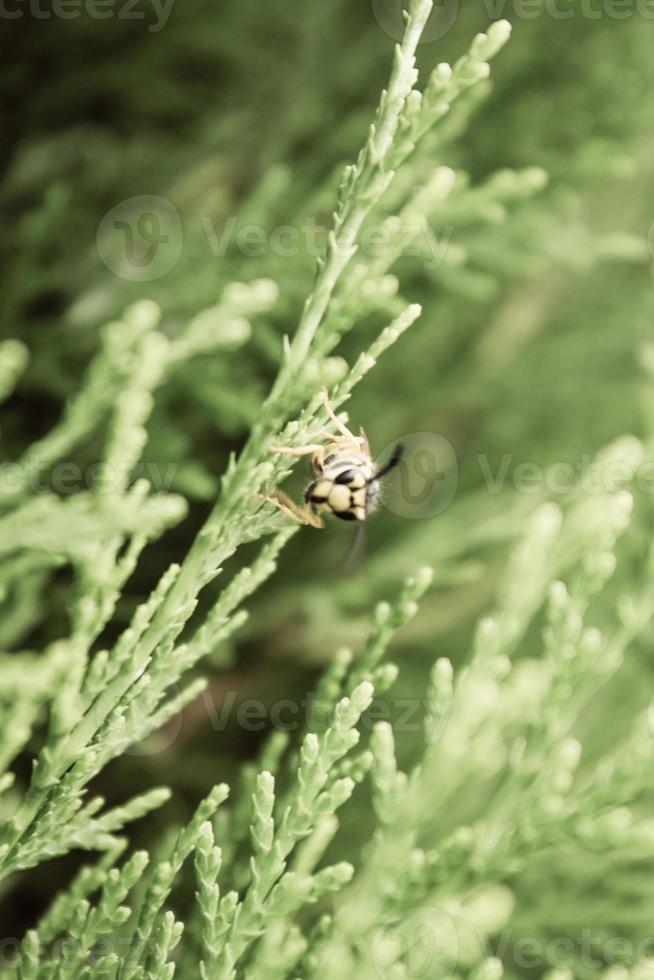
x=347, y=481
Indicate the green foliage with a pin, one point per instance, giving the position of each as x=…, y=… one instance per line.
x=424, y=818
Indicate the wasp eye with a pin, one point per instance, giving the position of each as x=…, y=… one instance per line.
x=346, y=477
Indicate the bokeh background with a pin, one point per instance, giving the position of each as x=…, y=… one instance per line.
x=533, y=346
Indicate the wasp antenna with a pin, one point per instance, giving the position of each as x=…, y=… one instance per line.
x=390, y=465
x=355, y=554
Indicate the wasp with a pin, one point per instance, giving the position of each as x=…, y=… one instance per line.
x=346, y=480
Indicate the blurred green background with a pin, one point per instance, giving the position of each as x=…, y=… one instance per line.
x=531, y=344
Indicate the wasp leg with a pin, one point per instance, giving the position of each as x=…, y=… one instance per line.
x=301, y=515
x=343, y=429
x=313, y=519
x=296, y=451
